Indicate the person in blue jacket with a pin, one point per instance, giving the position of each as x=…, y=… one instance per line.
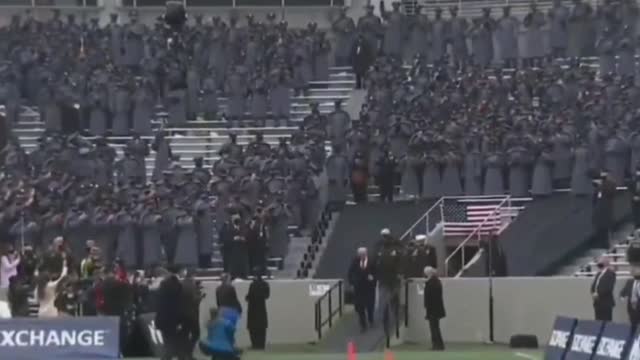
x=221, y=335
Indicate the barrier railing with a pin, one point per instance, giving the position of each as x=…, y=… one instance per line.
x=319, y=321
x=427, y=222
x=489, y=226
x=235, y=3
x=51, y=4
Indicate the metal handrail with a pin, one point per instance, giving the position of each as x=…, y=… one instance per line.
x=479, y=228
x=439, y=204
x=319, y=323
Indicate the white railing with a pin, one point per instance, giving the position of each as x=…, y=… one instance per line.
x=486, y=228
x=427, y=222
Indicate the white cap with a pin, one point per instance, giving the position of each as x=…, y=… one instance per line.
x=385, y=231
x=421, y=237
x=429, y=271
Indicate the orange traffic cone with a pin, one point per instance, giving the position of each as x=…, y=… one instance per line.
x=352, y=354
x=388, y=355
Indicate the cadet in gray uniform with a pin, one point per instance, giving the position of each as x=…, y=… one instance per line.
x=507, y=34
x=395, y=30
x=344, y=30
x=558, y=31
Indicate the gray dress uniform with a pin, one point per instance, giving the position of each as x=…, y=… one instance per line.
x=193, y=92
x=77, y=231
x=438, y=38
x=187, y=247
x=542, y=184
x=177, y=107
x=616, y=152
x=52, y=112
x=581, y=183
x=236, y=89
x=339, y=123
x=451, y=176
x=457, y=29
x=143, y=110
x=116, y=40
x=338, y=175
x=626, y=57
x=322, y=49
x=280, y=94
x=606, y=50
x=481, y=43
x=210, y=96
x=518, y=164
x=125, y=225
x=344, y=30
x=558, y=29
x=472, y=173
x=634, y=144
x=395, y=31
x=534, y=35
x=121, y=110
x=412, y=171
x=98, y=113
x=507, y=38
x=562, y=156
x=370, y=27
x=163, y=155
x=204, y=227
x=493, y=178
x=432, y=181
x=579, y=34
x=419, y=36
x=150, y=235
x=258, y=102
x=104, y=233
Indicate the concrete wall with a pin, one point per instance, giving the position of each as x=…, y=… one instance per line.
x=291, y=310
x=521, y=306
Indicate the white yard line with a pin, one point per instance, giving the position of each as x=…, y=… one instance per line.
x=525, y=356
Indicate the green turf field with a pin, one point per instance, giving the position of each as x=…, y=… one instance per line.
x=410, y=353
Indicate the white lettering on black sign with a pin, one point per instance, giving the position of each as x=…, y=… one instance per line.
x=51, y=338
x=583, y=343
x=611, y=348
x=634, y=353
x=559, y=339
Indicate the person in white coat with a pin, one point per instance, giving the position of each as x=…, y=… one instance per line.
x=46, y=292
x=8, y=267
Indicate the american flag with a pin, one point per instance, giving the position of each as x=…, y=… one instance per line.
x=463, y=218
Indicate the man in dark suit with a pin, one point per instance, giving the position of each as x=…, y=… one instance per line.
x=191, y=297
x=169, y=320
x=631, y=295
x=226, y=294
x=434, y=306
x=257, y=319
x=602, y=291
x=362, y=277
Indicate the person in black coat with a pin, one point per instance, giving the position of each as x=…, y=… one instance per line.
x=362, y=57
x=434, y=306
x=603, y=210
x=257, y=320
x=602, y=291
x=168, y=319
x=226, y=294
x=630, y=293
x=634, y=191
x=362, y=277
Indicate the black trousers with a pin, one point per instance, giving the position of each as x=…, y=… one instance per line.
x=601, y=237
x=174, y=345
x=635, y=211
x=359, y=193
x=258, y=338
x=365, y=309
x=360, y=80
x=436, y=336
x=386, y=191
x=603, y=313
